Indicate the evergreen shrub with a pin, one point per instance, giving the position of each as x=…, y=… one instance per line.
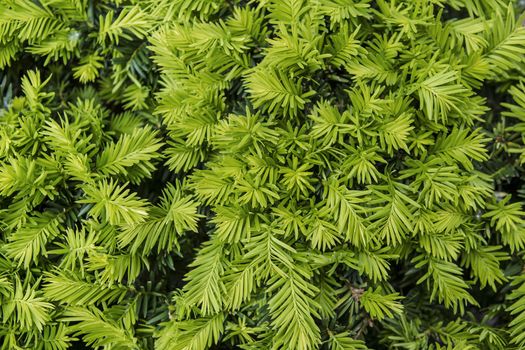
x=262, y=174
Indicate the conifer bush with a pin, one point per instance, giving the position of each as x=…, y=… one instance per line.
x=262, y=174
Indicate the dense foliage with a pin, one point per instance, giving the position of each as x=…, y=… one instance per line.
x=264, y=174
